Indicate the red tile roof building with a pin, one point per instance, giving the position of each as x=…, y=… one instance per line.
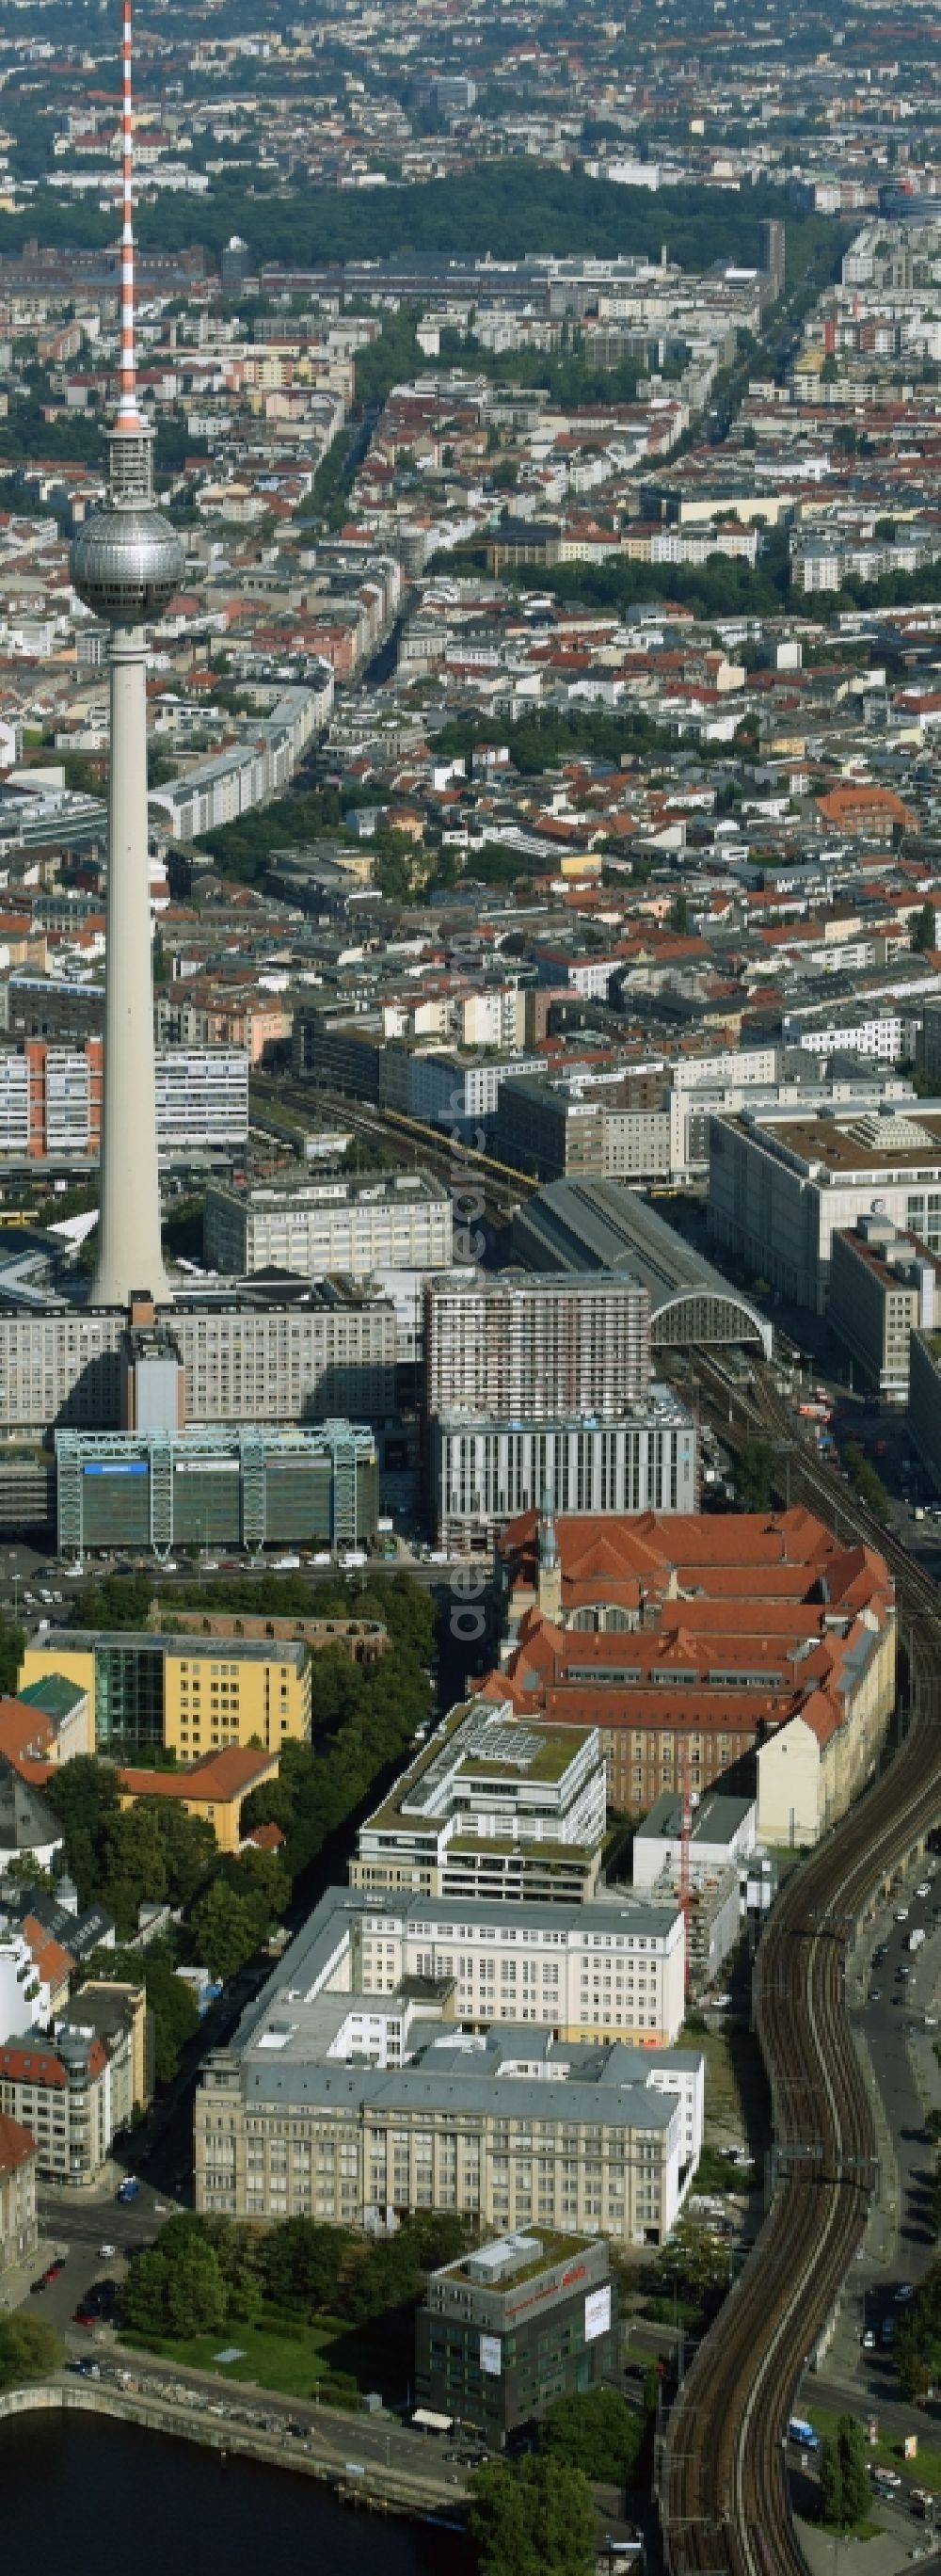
x=692, y=1642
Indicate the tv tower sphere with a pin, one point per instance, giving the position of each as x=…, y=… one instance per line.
x=126, y=562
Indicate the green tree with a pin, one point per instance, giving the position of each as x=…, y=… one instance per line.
x=865, y=1481
x=196, y=2299
x=679, y=915
x=12, y=1650
x=388, y=2277
x=597, y=2432
x=855, y=2489
x=29, y=2349
x=693, y=2262
x=534, y=2520
x=176, y=2289
x=302, y=2263
x=923, y=930
x=134, y=1865
x=915, y=2371
x=175, y=2017
x=83, y=1793
x=144, y=2295
x=272, y=1804
x=263, y=1877
x=754, y=1468
x=831, y=2489
x=190, y=1850
x=224, y=1930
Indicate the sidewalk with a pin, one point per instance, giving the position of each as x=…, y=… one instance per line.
x=16, y=2284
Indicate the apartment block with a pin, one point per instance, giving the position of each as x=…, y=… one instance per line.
x=50, y=1101
x=599, y=1970
x=386, y=1221
x=328, y=1355
x=119, y=2015
x=928, y=1048
x=536, y=1349
x=187, y=1694
x=202, y=1101
x=59, y=2088
x=555, y=1132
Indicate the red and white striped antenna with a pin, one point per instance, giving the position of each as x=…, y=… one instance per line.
x=128, y=414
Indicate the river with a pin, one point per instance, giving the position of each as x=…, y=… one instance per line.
x=112, y=2501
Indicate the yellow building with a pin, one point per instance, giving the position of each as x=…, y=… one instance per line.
x=192, y=1695
x=212, y=1788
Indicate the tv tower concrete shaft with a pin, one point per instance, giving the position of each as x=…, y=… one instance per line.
x=129, y=1253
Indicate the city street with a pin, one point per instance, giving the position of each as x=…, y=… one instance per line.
x=78, y=2227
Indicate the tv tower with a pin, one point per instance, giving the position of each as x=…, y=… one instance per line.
x=126, y=562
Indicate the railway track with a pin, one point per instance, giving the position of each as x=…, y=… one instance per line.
x=458, y=1164
x=723, y=2489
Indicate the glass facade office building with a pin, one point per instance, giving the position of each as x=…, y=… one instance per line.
x=156, y=1490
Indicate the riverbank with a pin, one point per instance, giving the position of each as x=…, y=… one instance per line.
x=184, y=2408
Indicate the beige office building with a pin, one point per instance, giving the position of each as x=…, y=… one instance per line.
x=358, y=2106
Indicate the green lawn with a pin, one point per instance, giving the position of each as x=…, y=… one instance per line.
x=269, y=2359
x=378, y=2355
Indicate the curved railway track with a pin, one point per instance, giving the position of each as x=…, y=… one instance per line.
x=723, y=2490
x=447, y=1154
